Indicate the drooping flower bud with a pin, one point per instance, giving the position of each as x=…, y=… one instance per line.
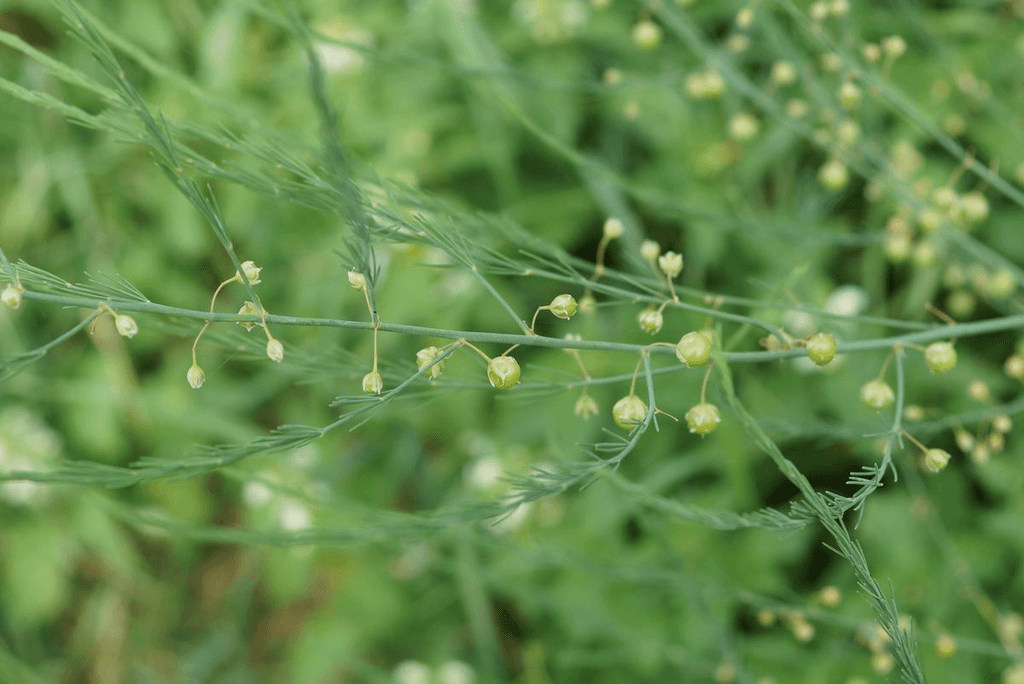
x=195, y=376
x=650, y=321
x=275, y=350
x=703, y=419
x=373, y=383
x=563, y=306
x=629, y=411
x=252, y=272
x=935, y=460
x=126, y=326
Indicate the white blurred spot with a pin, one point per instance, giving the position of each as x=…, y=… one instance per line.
x=847, y=300
x=411, y=672
x=455, y=672
x=294, y=516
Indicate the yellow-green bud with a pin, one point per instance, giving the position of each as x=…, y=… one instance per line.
x=11, y=296
x=1002, y=423
x=877, y=394
x=849, y=95
x=126, y=326
x=646, y=35
x=650, y=321
x=929, y=220
x=945, y=646
x=613, y=228
x=974, y=207
x=563, y=306
x=894, y=46
x=650, y=250
x=588, y=305
x=703, y=419
x=940, y=356
x=694, y=349
x=935, y=460
x=1001, y=284
x=503, y=372
x=833, y=175
x=821, y=348
x=1014, y=367
x=373, y=383
x=195, y=376
x=783, y=73
x=743, y=127
x=964, y=440
x=629, y=411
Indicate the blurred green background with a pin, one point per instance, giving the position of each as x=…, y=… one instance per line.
x=357, y=557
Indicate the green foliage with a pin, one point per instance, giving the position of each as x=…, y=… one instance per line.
x=815, y=189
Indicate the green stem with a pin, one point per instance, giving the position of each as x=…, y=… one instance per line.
x=1003, y=323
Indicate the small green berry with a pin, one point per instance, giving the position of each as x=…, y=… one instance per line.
x=650, y=321
x=940, y=356
x=877, y=394
x=373, y=383
x=935, y=460
x=821, y=348
x=629, y=411
x=503, y=372
x=703, y=419
x=694, y=349
x=563, y=306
